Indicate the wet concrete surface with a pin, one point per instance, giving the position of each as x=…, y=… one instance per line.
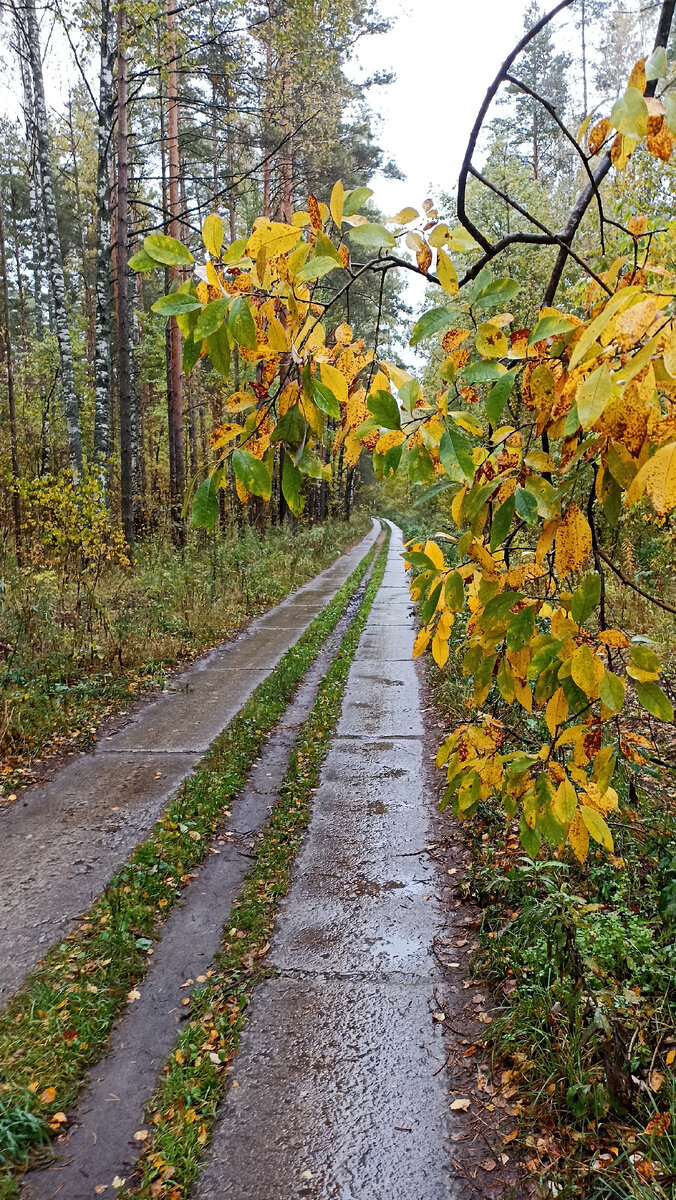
x=100, y=1143
x=338, y=1092
x=62, y=840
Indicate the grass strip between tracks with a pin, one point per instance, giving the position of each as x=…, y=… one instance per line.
x=58, y=1024
x=181, y=1113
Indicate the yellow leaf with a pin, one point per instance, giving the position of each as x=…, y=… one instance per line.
x=434, y=553
x=523, y=694
x=48, y=1096
x=275, y=236
x=490, y=341
x=597, y=827
x=556, y=711
x=657, y=477
x=440, y=648
x=239, y=401
x=336, y=203
x=578, y=837
x=334, y=379
x=212, y=234
x=587, y=671
x=573, y=541
x=224, y=434
x=278, y=338
x=564, y=802
x=546, y=540
x=448, y=276
x=405, y=215
x=637, y=78
x=422, y=641
x=456, y=506
x=613, y=637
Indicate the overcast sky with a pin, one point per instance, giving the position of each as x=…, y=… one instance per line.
x=444, y=54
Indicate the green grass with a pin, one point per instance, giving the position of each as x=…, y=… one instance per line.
x=182, y=1112
x=85, y=638
x=59, y=1023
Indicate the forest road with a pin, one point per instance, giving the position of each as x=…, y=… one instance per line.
x=62, y=840
x=338, y=1090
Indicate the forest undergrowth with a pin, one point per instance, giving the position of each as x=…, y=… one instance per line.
x=581, y=961
x=82, y=635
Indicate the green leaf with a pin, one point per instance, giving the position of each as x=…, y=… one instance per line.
x=656, y=65
x=205, y=505
x=520, y=630
x=211, y=317
x=643, y=656
x=219, y=351
x=611, y=691
x=530, y=838
x=652, y=698
x=548, y=327
x=455, y=591
x=141, y=261
x=420, y=465
x=454, y=448
x=312, y=466
x=409, y=393
x=290, y=428
x=191, y=353
x=496, y=293
x=167, y=250
x=502, y=521
x=355, y=200
x=372, y=236
x=670, y=114
x=252, y=473
x=431, y=493
x=630, y=114
x=241, y=324
x=498, y=607
x=392, y=459
x=483, y=371
x=235, y=252
x=429, y=607
x=176, y=302
x=594, y=395
x=383, y=406
x=324, y=399
x=498, y=397
x=316, y=268
x=430, y=323
x=550, y=828
x=292, y=482
x=526, y=506
x=585, y=598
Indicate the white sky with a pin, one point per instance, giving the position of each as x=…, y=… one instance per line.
x=444, y=54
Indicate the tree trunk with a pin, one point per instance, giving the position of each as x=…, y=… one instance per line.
x=14, y=453
x=124, y=379
x=175, y=380
x=103, y=247
x=33, y=183
x=54, y=258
